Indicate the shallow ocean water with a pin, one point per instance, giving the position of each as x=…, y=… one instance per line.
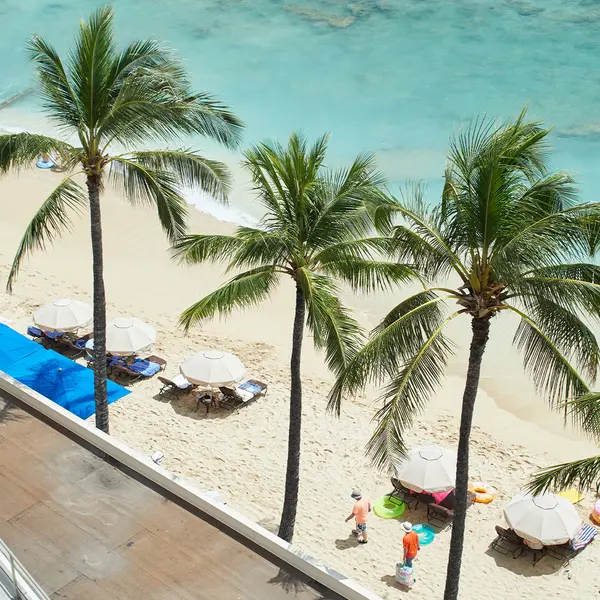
x=397, y=77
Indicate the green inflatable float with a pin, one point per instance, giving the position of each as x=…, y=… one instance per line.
x=388, y=507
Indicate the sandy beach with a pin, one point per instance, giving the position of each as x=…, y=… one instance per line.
x=242, y=453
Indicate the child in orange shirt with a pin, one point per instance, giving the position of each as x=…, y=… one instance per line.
x=360, y=512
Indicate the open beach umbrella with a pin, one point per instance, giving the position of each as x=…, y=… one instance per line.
x=126, y=336
x=63, y=314
x=548, y=519
x=428, y=469
x=213, y=368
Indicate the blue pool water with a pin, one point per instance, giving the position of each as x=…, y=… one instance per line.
x=393, y=76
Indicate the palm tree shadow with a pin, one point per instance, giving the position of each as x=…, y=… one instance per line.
x=289, y=582
x=9, y=412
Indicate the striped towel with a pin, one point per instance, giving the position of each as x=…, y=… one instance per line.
x=586, y=534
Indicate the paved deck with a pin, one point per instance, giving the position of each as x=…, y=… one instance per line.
x=87, y=530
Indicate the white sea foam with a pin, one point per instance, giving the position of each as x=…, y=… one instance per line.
x=230, y=213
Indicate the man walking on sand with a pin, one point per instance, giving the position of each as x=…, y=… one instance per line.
x=360, y=512
x=410, y=543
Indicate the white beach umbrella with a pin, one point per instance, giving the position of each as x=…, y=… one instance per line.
x=428, y=469
x=63, y=314
x=127, y=335
x=213, y=368
x=548, y=519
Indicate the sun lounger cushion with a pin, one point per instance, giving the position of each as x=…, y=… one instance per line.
x=251, y=387
x=144, y=367
x=53, y=334
x=140, y=366
x=181, y=382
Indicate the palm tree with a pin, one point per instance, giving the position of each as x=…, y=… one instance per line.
x=317, y=232
x=103, y=98
x=512, y=236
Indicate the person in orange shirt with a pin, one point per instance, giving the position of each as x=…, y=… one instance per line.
x=410, y=543
x=360, y=512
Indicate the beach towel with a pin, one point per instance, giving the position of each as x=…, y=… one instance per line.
x=572, y=495
x=144, y=367
x=586, y=534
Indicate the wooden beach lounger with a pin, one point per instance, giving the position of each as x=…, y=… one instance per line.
x=244, y=393
x=177, y=386
x=508, y=542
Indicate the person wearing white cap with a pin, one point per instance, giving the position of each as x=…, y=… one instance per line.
x=410, y=543
x=360, y=511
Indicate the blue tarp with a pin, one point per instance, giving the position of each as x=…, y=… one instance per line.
x=56, y=377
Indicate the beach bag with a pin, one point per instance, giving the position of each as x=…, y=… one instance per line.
x=404, y=575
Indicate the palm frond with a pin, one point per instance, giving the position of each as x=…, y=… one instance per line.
x=89, y=65
x=536, y=240
x=59, y=100
x=584, y=474
x=574, y=287
x=19, y=150
x=242, y=291
x=142, y=184
x=398, y=339
x=190, y=169
x=585, y=413
x=330, y=321
x=551, y=371
x=50, y=221
x=370, y=275
x=420, y=241
x=406, y=396
x=194, y=249
x=567, y=331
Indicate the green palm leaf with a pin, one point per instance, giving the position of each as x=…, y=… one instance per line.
x=584, y=473
x=19, y=150
x=142, y=184
x=330, y=321
x=243, y=291
x=399, y=338
x=50, y=221
x=406, y=396
x=190, y=169
x=551, y=372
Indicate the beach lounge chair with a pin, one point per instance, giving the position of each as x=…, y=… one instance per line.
x=508, y=542
x=157, y=360
x=175, y=387
x=565, y=552
x=36, y=333
x=243, y=394
x=75, y=345
x=438, y=515
x=407, y=496
x=136, y=370
x=44, y=336
x=442, y=513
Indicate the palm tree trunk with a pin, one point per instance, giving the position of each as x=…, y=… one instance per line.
x=292, y=477
x=481, y=328
x=100, y=394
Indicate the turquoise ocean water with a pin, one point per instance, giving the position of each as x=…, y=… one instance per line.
x=397, y=77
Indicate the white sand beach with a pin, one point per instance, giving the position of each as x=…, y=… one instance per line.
x=242, y=453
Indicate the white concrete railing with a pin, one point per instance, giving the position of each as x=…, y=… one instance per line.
x=20, y=585
x=289, y=553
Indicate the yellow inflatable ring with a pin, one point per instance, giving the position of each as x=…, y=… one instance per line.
x=484, y=493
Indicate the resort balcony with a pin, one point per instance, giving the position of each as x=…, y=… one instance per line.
x=89, y=527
